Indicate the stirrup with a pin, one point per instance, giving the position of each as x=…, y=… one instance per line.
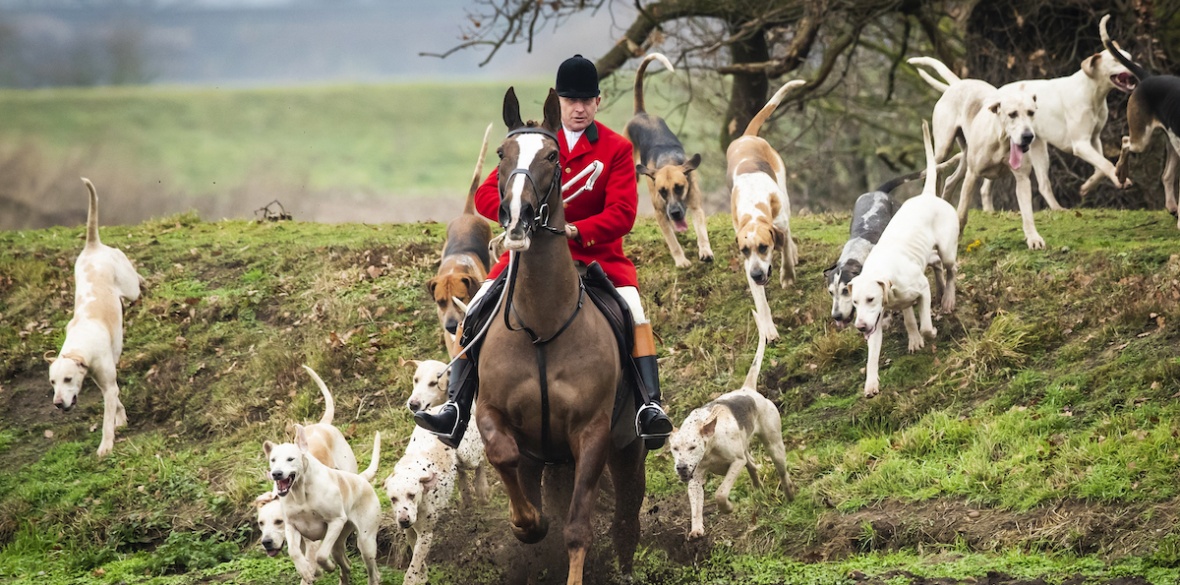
x=639, y=427
x=449, y=438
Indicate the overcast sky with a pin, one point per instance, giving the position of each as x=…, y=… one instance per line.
x=264, y=42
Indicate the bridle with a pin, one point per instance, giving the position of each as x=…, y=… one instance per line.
x=541, y=219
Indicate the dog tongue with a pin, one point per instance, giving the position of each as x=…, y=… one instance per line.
x=1015, y=155
x=681, y=225
x=272, y=552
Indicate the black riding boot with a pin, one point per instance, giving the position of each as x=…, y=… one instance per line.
x=451, y=421
x=651, y=423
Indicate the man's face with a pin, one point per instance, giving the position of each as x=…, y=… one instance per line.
x=578, y=113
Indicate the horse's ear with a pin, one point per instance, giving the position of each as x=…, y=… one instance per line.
x=512, y=110
x=552, y=121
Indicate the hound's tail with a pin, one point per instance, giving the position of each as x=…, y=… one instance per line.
x=469, y=208
x=938, y=68
x=756, y=366
x=756, y=124
x=639, y=76
x=891, y=184
x=931, y=186
x=370, y=472
x=91, y=216
x=329, y=404
x=1113, y=48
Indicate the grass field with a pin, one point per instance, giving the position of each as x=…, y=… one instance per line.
x=1035, y=438
x=392, y=152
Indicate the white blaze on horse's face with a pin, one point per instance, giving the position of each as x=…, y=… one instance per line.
x=530, y=145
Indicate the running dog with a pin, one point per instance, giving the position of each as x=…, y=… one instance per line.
x=716, y=437
x=894, y=279
x=276, y=531
x=325, y=504
x=1071, y=113
x=1153, y=104
x=430, y=390
x=870, y=214
x=761, y=210
x=673, y=186
x=465, y=260
x=103, y=278
x=419, y=489
x=997, y=128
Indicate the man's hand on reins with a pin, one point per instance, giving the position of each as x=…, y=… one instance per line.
x=571, y=232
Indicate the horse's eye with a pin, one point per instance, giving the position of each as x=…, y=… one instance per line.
x=553, y=157
x=500, y=153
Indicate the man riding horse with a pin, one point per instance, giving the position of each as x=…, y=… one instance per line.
x=598, y=219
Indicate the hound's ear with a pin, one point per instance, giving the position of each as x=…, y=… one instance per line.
x=412, y=363
x=642, y=170
x=429, y=481
x=300, y=438
x=49, y=356
x=780, y=238
x=709, y=428
x=267, y=446
x=431, y=285
x=471, y=284
x=552, y=111
x=512, y=110
x=829, y=271
x=1090, y=64
x=264, y=499
x=886, y=286
x=994, y=107
x=692, y=163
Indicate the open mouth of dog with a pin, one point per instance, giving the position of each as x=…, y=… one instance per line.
x=680, y=224
x=272, y=552
x=284, y=485
x=65, y=407
x=1125, y=82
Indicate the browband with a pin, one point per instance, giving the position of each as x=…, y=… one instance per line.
x=532, y=130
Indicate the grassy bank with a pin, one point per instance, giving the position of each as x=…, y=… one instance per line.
x=1036, y=437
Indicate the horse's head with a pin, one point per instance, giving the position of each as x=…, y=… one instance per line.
x=530, y=172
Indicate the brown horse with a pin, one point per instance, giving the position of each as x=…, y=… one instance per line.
x=549, y=351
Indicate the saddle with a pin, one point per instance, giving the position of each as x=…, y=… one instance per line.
x=603, y=294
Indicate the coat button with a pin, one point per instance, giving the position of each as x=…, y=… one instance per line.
x=567, y=170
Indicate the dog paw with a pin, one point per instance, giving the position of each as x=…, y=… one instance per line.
x=724, y=505
x=696, y=533
x=1035, y=242
x=930, y=333
x=872, y=389
x=104, y=448
x=682, y=262
x=706, y=255
x=916, y=343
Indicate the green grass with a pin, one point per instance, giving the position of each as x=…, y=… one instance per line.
x=412, y=139
x=1035, y=436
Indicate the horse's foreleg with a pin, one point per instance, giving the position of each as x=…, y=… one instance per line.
x=502, y=452
x=590, y=449
x=627, y=473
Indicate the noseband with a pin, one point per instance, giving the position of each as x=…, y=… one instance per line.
x=541, y=220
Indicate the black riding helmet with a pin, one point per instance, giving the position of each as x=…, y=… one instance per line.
x=577, y=78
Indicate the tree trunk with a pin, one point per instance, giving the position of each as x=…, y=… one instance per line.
x=749, y=91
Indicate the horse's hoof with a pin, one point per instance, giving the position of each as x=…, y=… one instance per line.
x=534, y=534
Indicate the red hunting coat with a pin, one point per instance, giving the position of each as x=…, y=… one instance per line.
x=602, y=215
